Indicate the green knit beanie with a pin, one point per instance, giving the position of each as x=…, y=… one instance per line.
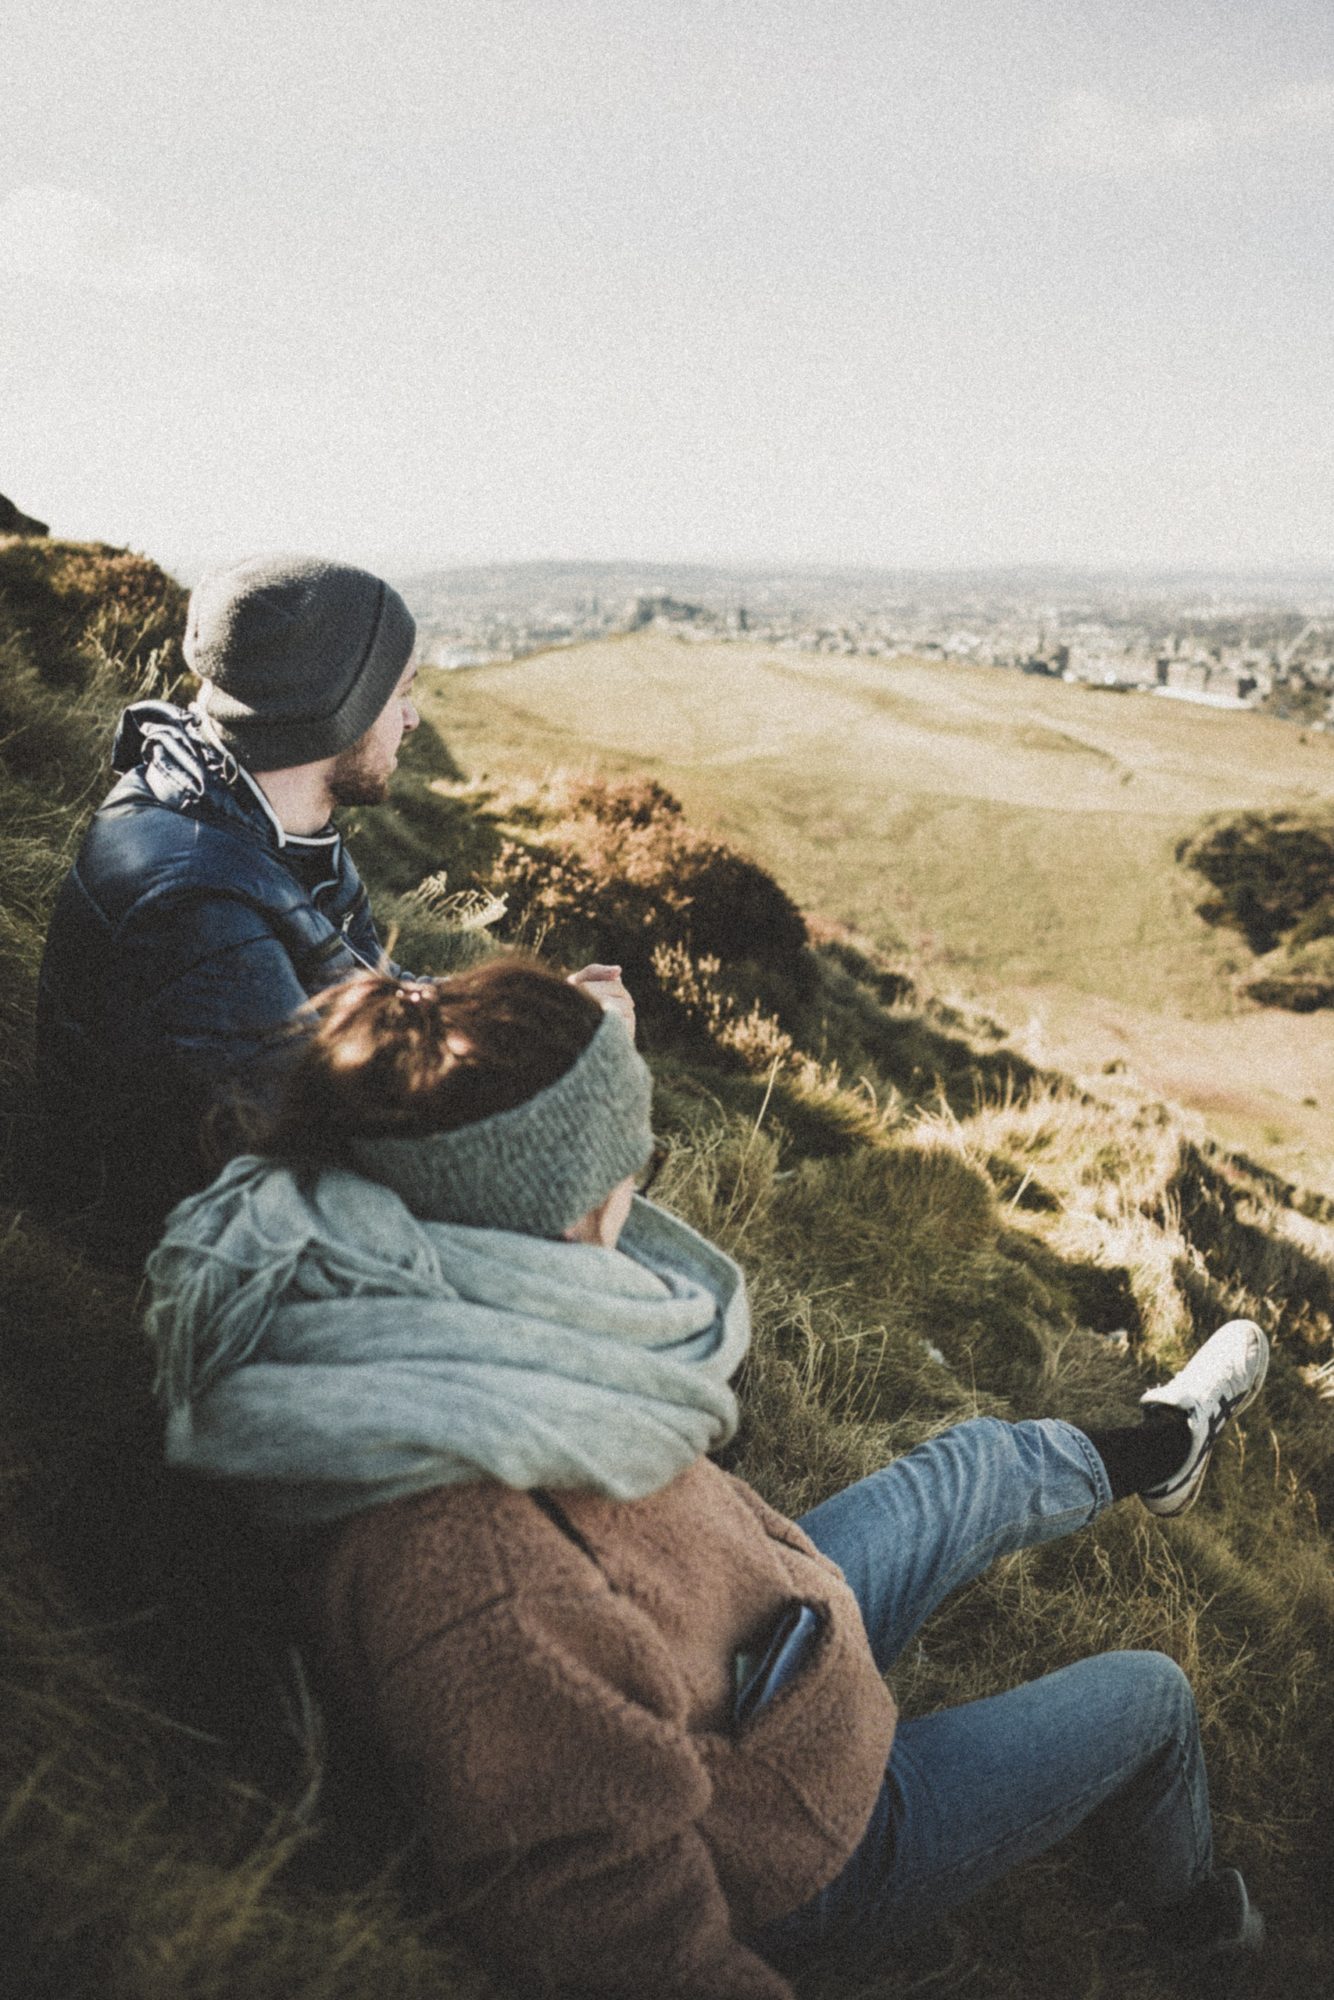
x=297, y=656
x=540, y=1167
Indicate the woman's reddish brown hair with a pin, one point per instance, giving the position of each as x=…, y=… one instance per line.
x=416, y=1056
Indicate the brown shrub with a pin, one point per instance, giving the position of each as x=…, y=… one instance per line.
x=71, y=600
x=622, y=877
x=621, y=801
x=1268, y=870
x=1299, y=975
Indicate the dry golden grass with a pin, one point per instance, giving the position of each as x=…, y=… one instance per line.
x=935, y=1226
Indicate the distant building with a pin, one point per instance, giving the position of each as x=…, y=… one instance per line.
x=664, y=610
x=454, y=657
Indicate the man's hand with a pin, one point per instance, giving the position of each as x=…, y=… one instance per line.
x=603, y=983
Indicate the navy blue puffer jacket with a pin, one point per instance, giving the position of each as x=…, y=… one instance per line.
x=185, y=936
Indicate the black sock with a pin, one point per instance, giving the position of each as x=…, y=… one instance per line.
x=1139, y=1456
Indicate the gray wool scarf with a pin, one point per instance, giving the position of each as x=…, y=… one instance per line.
x=319, y=1344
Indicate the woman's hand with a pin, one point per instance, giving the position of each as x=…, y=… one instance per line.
x=603, y=983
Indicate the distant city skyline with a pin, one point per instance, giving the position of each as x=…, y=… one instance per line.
x=780, y=283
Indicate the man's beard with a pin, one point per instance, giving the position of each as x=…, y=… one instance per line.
x=354, y=780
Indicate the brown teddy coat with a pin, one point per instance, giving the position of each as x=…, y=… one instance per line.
x=550, y=1682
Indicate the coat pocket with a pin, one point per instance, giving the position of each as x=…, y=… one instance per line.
x=761, y=1672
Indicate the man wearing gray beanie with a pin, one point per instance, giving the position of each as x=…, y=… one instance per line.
x=296, y=658
x=213, y=894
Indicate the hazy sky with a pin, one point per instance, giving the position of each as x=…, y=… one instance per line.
x=883, y=281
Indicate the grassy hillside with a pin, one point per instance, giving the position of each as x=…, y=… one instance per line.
x=1018, y=836
x=934, y=1224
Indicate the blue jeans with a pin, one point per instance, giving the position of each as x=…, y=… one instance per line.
x=1111, y=1742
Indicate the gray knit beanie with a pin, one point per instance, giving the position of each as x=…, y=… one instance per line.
x=297, y=656
x=540, y=1167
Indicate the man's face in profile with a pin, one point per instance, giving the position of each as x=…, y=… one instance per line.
x=361, y=773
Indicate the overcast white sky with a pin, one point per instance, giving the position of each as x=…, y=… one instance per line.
x=882, y=281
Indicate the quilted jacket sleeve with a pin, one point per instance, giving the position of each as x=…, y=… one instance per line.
x=217, y=990
x=562, y=1802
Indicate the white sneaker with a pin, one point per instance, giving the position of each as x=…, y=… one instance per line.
x=1241, y=1928
x=1221, y=1379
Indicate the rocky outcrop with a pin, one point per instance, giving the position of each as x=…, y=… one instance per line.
x=12, y=522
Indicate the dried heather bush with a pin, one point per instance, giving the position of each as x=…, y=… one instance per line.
x=67, y=597
x=649, y=867
x=713, y=948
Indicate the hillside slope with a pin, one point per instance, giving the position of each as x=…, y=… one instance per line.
x=933, y=1225
x=1017, y=835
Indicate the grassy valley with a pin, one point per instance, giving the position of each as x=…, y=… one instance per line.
x=938, y=1218
x=1016, y=835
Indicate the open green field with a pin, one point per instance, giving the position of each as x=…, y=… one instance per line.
x=1015, y=834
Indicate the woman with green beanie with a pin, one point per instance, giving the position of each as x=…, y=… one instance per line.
x=470, y=1378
